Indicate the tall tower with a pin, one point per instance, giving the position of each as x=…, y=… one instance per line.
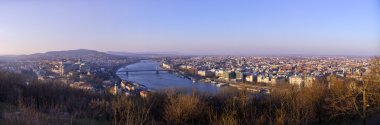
x=344, y=72
x=61, y=68
x=115, y=89
x=80, y=60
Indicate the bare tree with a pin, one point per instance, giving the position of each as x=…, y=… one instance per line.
x=181, y=108
x=368, y=94
x=363, y=100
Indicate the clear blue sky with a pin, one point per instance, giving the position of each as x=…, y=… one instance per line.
x=323, y=27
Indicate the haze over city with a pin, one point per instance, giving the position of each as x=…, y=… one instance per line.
x=189, y=62
x=323, y=27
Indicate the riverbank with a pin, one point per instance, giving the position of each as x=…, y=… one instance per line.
x=222, y=83
x=177, y=79
x=163, y=80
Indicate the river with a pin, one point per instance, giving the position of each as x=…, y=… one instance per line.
x=163, y=80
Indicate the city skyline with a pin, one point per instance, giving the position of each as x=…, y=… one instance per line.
x=192, y=27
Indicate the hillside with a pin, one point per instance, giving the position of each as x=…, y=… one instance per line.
x=69, y=54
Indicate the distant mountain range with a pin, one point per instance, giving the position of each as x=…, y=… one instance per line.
x=84, y=54
x=79, y=53
x=68, y=54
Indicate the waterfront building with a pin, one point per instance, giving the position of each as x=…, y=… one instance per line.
x=279, y=80
x=269, y=79
x=205, y=73
x=239, y=75
x=249, y=78
x=229, y=75
x=262, y=79
x=166, y=66
x=219, y=73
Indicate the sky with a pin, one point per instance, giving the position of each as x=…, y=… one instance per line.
x=226, y=27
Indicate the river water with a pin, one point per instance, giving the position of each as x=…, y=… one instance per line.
x=163, y=80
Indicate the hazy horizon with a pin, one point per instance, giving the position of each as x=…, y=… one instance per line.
x=192, y=27
x=192, y=54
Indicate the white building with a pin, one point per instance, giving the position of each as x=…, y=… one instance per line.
x=266, y=79
x=270, y=79
x=296, y=80
x=309, y=81
x=166, y=66
x=205, y=73
x=219, y=73
x=249, y=78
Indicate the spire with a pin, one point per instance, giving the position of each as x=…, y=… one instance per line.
x=115, y=89
x=344, y=70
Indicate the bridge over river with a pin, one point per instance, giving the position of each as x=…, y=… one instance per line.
x=126, y=71
x=144, y=73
